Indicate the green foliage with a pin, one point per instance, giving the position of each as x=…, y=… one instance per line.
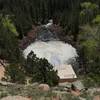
x=96, y=19
x=71, y=15
x=8, y=41
x=9, y=25
x=88, y=12
x=90, y=47
x=15, y=73
x=91, y=80
x=3, y=95
x=29, y=12
x=9, y=49
x=90, y=41
x=89, y=5
x=40, y=70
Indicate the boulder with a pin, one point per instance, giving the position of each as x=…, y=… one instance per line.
x=56, y=98
x=44, y=87
x=15, y=98
x=78, y=84
x=96, y=97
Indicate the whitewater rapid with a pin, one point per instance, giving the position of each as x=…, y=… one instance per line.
x=56, y=52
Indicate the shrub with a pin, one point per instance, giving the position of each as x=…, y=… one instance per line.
x=15, y=73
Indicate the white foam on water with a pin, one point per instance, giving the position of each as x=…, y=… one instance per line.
x=56, y=52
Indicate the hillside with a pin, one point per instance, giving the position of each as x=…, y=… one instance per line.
x=50, y=42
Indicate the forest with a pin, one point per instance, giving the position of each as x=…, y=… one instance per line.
x=78, y=24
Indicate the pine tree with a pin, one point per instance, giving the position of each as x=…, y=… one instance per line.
x=9, y=49
x=40, y=70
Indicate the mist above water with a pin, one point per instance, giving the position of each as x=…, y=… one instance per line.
x=56, y=52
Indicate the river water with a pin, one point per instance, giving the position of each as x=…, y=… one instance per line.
x=56, y=52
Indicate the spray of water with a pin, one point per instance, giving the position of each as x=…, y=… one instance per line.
x=56, y=52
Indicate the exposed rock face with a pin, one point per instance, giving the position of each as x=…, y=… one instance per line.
x=26, y=41
x=29, y=38
x=44, y=87
x=45, y=34
x=42, y=33
x=96, y=97
x=15, y=98
x=2, y=71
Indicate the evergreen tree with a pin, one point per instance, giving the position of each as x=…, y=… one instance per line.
x=40, y=70
x=9, y=49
